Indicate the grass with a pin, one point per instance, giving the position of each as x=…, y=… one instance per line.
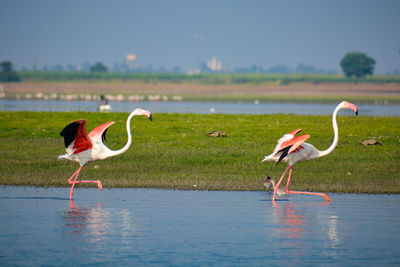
x=204, y=78
x=174, y=151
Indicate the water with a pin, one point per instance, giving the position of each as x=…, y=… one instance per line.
x=150, y=227
x=197, y=107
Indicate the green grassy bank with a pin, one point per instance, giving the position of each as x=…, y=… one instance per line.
x=203, y=78
x=174, y=151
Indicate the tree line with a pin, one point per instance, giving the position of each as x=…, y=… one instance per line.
x=355, y=66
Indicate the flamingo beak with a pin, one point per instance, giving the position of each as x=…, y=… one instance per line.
x=352, y=107
x=148, y=115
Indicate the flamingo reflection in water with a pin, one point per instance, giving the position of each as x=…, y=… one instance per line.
x=291, y=149
x=87, y=219
x=293, y=224
x=98, y=226
x=301, y=221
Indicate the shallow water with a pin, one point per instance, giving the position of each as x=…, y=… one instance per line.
x=144, y=227
x=197, y=107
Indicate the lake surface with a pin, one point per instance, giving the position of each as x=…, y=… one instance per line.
x=150, y=227
x=196, y=107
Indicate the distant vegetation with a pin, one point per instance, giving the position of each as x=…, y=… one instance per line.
x=357, y=64
x=202, y=78
x=98, y=67
x=7, y=74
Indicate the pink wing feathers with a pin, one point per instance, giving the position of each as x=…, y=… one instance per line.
x=98, y=134
x=294, y=143
x=291, y=145
x=294, y=132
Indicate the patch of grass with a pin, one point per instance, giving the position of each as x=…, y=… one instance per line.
x=174, y=151
x=203, y=78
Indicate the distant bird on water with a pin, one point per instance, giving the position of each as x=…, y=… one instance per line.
x=83, y=147
x=291, y=149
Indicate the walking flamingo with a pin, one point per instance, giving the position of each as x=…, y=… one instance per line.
x=83, y=147
x=291, y=149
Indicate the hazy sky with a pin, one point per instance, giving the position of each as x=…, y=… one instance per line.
x=165, y=33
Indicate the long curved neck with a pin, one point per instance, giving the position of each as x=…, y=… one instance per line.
x=336, y=133
x=128, y=130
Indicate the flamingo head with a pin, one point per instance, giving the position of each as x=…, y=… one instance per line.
x=349, y=105
x=142, y=112
x=268, y=182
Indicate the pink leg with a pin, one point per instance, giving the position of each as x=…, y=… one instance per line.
x=91, y=181
x=73, y=175
x=288, y=181
x=71, y=192
x=279, y=183
x=305, y=193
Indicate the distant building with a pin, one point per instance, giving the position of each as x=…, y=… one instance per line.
x=130, y=62
x=214, y=64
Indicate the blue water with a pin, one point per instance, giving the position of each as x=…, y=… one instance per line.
x=150, y=227
x=197, y=107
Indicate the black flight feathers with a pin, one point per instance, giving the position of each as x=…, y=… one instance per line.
x=285, y=152
x=69, y=133
x=103, y=136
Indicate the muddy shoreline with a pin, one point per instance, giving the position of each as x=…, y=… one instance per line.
x=120, y=87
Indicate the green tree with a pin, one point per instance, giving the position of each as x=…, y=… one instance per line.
x=357, y=64
x=98, y=67
x=6, y=66
x=7, y=74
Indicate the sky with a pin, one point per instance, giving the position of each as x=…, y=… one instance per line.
x=183, y=33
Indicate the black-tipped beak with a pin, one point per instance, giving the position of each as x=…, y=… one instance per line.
x=150, y=118
x=357, y=113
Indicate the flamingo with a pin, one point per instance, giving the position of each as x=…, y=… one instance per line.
x=291, y=149
x=83, y=147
